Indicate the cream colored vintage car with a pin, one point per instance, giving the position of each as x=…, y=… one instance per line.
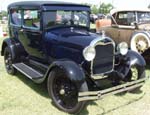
x=131, y=26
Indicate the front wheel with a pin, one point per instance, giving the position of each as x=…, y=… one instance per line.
x=136, y=73
x=64, y=92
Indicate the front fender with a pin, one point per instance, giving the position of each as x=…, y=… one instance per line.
x=135, y=59
x=73, y=71
x=132, y=58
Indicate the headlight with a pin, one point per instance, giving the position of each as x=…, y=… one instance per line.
x=89, y=53
x=123, y=48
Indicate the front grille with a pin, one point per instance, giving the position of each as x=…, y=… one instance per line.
x=104, y=59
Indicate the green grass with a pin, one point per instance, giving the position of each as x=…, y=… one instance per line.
x=20, y=96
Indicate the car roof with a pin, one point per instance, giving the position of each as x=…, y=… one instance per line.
x=129, y=9
x=42, y=3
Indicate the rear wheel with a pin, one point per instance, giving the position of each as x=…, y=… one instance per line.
x=8, y=61
x=64, y=92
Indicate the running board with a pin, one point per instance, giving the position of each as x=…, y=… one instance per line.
x=94, y=95
x=28, y=71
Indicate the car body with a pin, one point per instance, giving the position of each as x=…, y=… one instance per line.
x=52, y=42
x=131, y=26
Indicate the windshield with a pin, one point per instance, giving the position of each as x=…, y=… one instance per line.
x=69, y=18
x=143, y=17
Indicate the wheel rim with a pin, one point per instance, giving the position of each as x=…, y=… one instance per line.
x=8, y=62
x=140, y=43
x=65, y=92
x=134, y=76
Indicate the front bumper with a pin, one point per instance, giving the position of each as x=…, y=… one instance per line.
x=94, y=95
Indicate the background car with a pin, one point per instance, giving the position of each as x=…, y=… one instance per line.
x=131, y=26
x=93, y=18
x=100, y=16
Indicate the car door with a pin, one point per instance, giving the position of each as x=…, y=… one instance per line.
x=30, y=34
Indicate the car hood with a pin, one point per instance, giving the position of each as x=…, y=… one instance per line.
x=73, y=37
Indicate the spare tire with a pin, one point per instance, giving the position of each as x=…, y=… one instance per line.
x=140, y=42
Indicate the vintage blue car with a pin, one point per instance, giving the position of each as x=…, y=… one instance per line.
x=52, y=42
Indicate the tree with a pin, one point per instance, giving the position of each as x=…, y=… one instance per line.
x=105, y=8
x=2, y=14
x=102, y=8
x=94, y=9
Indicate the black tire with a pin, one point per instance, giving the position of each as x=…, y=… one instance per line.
x=136, y=73
x=9, y=61
x=64, y=92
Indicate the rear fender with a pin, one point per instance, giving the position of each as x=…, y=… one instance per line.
x=15, y=47
x=10, y=44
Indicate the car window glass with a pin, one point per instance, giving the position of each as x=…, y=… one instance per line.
x=31, y=18
x=122, y=18
x=131, y=18
x=60, y=18
x=15, y=16
x=143, y=17
x=126, y=18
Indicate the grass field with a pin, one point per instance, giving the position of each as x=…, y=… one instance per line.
x=20, y=96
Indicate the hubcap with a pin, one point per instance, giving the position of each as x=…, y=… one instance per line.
x=62, y=92
x=141, y=44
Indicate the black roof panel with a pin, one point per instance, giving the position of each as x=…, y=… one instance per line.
x=41, y=3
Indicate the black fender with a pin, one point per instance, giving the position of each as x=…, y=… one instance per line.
x=15, y=48
x=132, y=58
x=10, y=44
x=135, y=59
x=73, y=71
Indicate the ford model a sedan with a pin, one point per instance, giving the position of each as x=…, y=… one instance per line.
x=51, y=41
x=131, y=26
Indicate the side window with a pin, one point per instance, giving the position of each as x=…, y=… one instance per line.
x=31, y=19
x=15, y=17
x=121, y=18
x=126, y=18
x=131, y=18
